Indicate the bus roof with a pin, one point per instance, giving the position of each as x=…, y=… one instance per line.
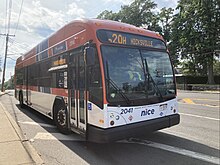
x=89, y=24
x=117, y=26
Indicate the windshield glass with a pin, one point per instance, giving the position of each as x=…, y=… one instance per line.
x=135, y=74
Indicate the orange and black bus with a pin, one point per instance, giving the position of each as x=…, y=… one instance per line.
x=103, y=79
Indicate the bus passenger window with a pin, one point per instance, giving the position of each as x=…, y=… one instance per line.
x=65, y=80
x=61, y=79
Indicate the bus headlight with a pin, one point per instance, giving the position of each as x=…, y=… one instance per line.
x=112, y=123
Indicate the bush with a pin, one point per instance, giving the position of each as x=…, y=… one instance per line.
x=195, y=79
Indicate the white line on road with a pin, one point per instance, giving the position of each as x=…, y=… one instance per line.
x=57, y=136
x=36, y=124
x=181, y=151
x=177, y=150
x=204, y=117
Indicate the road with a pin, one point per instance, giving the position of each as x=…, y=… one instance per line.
x=194, y=141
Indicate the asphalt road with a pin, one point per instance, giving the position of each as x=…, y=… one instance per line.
x=194, y=141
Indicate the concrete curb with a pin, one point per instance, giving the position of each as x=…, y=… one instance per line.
x=27, y=145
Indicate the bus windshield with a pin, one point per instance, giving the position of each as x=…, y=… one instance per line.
x=137, y=74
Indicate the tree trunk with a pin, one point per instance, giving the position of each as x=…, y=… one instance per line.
x=210, y=70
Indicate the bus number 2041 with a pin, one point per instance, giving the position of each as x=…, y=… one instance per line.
x=126, y=110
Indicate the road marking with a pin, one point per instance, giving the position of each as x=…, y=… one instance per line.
x=57, y=136
x=37, y=124
x=210, y=118
x=206, y=99
x=181, y=151
x=188, y=101
x=213, y=106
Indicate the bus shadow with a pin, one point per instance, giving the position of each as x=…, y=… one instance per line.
x=128, y=152
x=36, y=116
x=125, y=151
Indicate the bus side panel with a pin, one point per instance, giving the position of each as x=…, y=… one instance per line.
x=95, y=115
x=42, y=102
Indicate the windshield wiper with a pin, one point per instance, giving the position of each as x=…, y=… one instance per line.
x=114, y=85
x=152, y=80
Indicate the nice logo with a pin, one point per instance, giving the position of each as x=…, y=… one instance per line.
x=147, y=112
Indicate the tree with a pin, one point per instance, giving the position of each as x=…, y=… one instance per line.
x=108, y=15
x=165, y=18
x=138, y=13
x=196, y=32
x=192, y=34
x=10, y=83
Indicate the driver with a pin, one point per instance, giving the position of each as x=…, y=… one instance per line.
x=134, y=75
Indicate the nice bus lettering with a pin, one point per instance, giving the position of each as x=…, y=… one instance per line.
x=147, y=112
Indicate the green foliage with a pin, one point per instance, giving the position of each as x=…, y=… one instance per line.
x=192, y=33
x=9, y=84
x=195, y=35
x=138, y=13
x=216, y=67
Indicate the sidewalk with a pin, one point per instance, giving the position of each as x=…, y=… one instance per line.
x=14, y=148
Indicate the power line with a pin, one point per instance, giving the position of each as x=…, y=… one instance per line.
x=19, y=17
x=12, y=58
x=6, y=44
x=9, y=16
x=6, y=16
x=22, y=46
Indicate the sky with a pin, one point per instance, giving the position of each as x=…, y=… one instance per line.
x=32, y=21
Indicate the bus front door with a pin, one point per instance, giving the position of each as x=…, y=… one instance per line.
x=78, y=96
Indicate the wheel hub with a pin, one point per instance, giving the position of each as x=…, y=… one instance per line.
x=61, y=117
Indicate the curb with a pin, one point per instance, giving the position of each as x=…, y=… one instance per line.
x=25, y=142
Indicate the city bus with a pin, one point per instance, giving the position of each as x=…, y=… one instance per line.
x=103, y=79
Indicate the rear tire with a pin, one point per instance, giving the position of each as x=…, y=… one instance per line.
x=60, y=118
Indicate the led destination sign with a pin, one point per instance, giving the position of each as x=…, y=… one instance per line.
x=122, y=38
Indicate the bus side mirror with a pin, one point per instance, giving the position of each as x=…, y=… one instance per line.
x=89, y=56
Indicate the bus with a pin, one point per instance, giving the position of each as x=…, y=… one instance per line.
x=103, y=79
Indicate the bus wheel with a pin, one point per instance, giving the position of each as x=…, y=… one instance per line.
x=21, y=102
x=60, y=119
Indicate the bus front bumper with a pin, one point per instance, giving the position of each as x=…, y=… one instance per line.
x=100, y=135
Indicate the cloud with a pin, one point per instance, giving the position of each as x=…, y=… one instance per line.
x=75, y=11
x=44, y=31
x=166, y=3
x=40, y=18
x=123, y=2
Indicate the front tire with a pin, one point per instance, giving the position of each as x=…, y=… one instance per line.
x=60, y=118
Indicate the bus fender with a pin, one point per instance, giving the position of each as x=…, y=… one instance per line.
x=58, y=101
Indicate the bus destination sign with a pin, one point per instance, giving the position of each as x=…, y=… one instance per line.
x=122, y=38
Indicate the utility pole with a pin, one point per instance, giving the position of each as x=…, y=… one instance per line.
x=6, y=44
x=6, y=51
